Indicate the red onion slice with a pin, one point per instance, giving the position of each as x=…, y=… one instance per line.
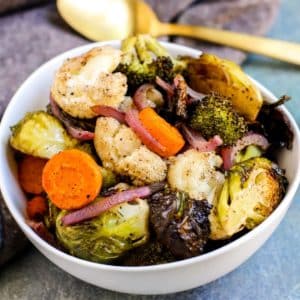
x=108, y=111
x=94, y=210
x=229, y=153
x=75, y=132
x=195, y=95
x=141, y=97
x=165, y=86
x=132, y=119
x=198, y=142
x=80, y=134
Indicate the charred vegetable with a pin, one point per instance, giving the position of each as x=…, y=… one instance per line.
x=143, y=59
x=272, y=123
x=251, y=191
x=215, y=115
x=40, y=134
x=211, y=74
x=181, y=223
x=109, y=235
x=152, y=253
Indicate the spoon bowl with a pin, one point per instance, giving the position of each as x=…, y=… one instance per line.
x=116, y=19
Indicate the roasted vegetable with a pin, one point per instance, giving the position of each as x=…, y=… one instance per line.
x=122, y=152
x=152, y=253
x=144, y=58
x=215, y=115
x=273, y=124
x=50, y=217
x=109, y=235
x=72, y=179
x=251, y=191
x=87, y=80
x=40, y=134
x=211, y=74
x=181, y=223
x=196, y=173
x=30, y=171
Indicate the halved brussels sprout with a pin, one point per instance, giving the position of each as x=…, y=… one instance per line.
x=108, y=236
x=251, y=191
x=40, y=134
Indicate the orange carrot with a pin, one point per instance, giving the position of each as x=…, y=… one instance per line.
x=36, y=207
x=30, y=171
x=72, y=179
x=166, y=134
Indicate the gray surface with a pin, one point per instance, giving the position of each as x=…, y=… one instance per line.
x=272, y=273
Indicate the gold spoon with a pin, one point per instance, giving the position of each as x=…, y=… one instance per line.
x=116, y=19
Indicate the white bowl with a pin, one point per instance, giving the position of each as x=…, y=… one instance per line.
x=160, y=279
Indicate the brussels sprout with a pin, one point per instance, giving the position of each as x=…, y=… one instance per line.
x=108, y=236
x=40, y=134
x=181, y=223
x=251, y=191
x=109, y=177
x=50, y=218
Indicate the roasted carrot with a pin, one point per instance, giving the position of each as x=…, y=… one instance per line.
x=36, y=207
x=166, y=134
x=30, y=171
x=72, y=179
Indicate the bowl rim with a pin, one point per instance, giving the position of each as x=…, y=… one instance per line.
x=20, y=219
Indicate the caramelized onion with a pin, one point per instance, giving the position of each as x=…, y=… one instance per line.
x=75, y=132
x=197, y=141
x=94, y=210
x=229, y=153
x=108, y=111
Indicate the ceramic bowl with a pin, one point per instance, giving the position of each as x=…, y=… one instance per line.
x=159, y=279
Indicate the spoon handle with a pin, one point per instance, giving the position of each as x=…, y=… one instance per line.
x=282, y=50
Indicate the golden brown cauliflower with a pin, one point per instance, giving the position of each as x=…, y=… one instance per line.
x=122, y=152
x=87, y=80
x=195, y=173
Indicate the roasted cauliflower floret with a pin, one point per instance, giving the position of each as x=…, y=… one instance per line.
x=143, y=166
x=87, y=80
x=195, y=173
x=122, y=152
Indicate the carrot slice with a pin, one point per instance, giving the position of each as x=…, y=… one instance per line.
x=30, y=171
x=166, y=134
x=72, y=179
x=37, y=207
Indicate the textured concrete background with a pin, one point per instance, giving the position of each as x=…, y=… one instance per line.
x=272, y=273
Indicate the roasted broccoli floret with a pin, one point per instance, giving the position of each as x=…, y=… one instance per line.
x=40, y=134
x=212, y=74
x=181, y=223
x=214, y=115
x=144, y=58
x=251, y=191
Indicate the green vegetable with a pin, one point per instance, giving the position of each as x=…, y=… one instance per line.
x=144, y=58
x=109, y=177
x=108, y=236
x=251, y=191
x=215, y=115
x=211, y=74
x=40, y=134
x=250, y=152
x=50, y=218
